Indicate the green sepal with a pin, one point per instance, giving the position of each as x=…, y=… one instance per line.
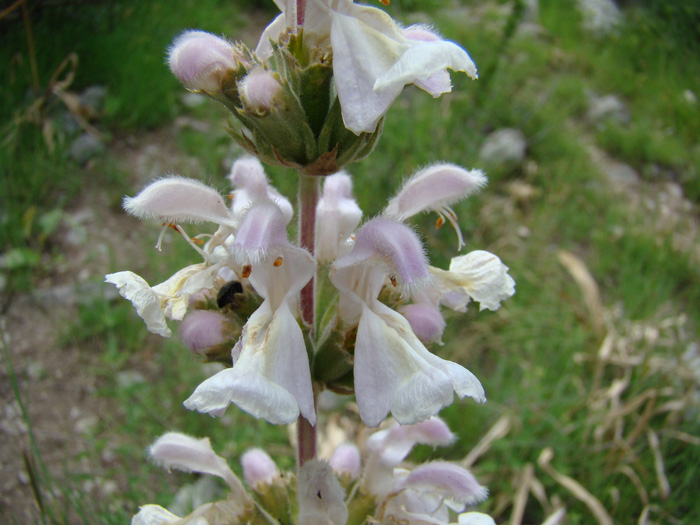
x=332, y=360
x=274, y=498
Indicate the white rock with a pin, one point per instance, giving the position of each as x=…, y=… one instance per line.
x=504, y=148
x=600, y=16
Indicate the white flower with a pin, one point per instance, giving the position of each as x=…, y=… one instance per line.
x=478, y=275
x=373, y=58
x=393, y=370
x=166, y=300
x=270, y=377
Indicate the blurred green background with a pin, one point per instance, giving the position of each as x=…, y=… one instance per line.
x=592, y=203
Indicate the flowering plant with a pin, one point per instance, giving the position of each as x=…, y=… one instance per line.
x=350, y=306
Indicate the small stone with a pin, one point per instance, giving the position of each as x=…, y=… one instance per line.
x=23, y=477
x=504, y=148
x=192, y=100
x=36, y=370
x=93, y=99
x=85, y=425
x=129, y=378
x=85, y=147
x=620, y=173
x=608, y=108
x=108, y=487
x=600, y=16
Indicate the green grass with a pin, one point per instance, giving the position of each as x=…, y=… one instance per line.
x=524, y=353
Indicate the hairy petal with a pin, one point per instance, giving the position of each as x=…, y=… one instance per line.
x=178, y=199
x=447, y=480
x=182, y=452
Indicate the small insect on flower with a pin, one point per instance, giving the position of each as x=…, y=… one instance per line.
x=228, y=293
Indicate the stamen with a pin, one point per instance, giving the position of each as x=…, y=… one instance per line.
x=439, y=222
x=385, y=2
x=452, y=217
x=278, y=262
x=160, y=236
x=189, y=240
x=392, y=278
x=246, y=271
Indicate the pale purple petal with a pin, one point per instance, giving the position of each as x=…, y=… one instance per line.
x=179, y=451
x=259, y=90
x=346, y=460
x=337, y=217
x=392, y=243
x=202, y=329
x=258, y=468
x=447, y=480
x=433, y=188
x=426, y=321
x=178, y=199
x=200, y=60
x=262, y=230
x=248, y=177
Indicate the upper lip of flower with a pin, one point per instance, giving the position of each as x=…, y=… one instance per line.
x=372, y=57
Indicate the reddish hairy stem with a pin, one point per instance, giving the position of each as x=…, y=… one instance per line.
x=308, y=198
x=301, y=9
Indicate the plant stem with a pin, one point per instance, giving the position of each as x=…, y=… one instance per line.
x=308, y=198
x=301, y=9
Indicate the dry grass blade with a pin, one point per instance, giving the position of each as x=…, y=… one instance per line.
x=575, y=488
x=634, y=478
x=516, y=517
x=664, y=486
x=555, y=518
x=585, y=281
x=497, y=431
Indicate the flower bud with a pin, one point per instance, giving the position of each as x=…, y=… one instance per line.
x=203, y=329
x=337, y=216
x=258, y=468
x=200, y=60
x=259, y=90
x=426, y=321
x=346, y=461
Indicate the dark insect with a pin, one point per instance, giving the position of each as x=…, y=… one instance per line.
x=227, y=294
